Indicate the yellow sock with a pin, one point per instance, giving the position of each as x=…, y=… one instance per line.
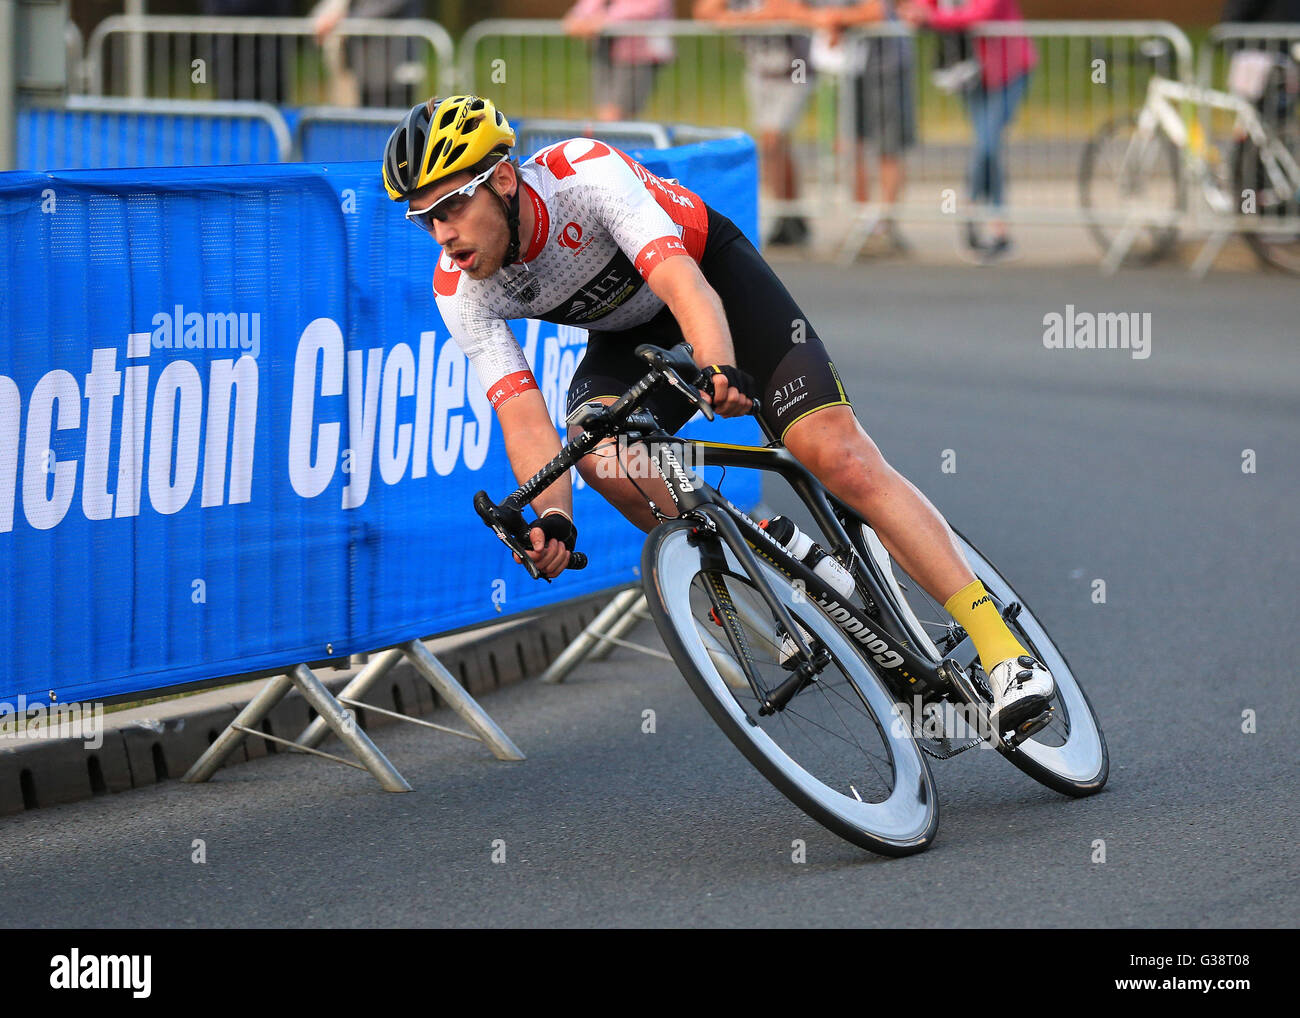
x=975, y=612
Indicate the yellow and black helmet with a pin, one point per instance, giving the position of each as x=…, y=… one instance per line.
x=441, y=137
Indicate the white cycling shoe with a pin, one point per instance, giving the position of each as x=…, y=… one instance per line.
x=1022, y=691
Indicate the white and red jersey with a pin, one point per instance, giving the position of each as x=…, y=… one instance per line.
x=602, y=222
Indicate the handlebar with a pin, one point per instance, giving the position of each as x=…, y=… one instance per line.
x=672, y=368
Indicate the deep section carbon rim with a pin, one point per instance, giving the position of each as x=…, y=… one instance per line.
x=1070, y=753
x=840, y=750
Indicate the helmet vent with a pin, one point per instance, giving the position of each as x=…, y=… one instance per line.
x=456, y=153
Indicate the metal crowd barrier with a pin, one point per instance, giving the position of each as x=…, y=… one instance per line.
x=74, y=46
x=95, y=132
x=365, y=61
x=1088, y=73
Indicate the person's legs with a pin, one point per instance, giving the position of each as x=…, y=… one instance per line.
x=891, y=178
x=833, y=445
x=977, y=107
x=775, y=104
x=625, y=476
x=1003, y=104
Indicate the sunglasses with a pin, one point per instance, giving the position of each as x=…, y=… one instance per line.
x=451, y=204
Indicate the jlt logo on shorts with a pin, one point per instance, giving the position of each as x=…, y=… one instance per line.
x=790, y=394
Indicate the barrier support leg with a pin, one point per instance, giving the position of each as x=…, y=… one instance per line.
x=360, y=684
x=460, y=701
x=232, y=738
x=608, y=641
x=584, y=642
x=344, y=725
x=1119, y=248
x=859, y=230
x=1209, y=253
x=335, y=717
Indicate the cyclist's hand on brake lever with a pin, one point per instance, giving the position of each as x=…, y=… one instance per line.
x=552, y=538
x=732, y=390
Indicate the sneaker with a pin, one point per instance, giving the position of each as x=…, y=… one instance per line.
x=788, y=231
x=1022, y=689
x=996, y=250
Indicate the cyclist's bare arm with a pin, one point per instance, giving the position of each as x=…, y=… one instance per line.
x=531, y=443
x=680, y=284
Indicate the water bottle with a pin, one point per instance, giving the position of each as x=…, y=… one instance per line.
x=806, y=550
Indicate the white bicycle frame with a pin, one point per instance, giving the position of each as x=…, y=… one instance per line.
x=1160, y=113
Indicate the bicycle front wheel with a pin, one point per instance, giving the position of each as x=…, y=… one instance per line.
x=840, y=750
x=1126, y=171
x=1070, y=754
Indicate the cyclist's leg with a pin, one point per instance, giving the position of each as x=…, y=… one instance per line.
x=625, y=476
x=805, y=405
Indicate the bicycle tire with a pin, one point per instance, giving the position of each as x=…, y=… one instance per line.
x=1159, y=241
x=906, y=819
x=1077, y=768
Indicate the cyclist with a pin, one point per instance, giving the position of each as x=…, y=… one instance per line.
x=580, y=234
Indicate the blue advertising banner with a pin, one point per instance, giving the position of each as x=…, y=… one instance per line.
x=234, y=433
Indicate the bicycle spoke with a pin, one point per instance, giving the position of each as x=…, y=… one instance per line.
x=827, y=729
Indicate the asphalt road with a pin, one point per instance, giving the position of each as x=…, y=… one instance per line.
x=1071, y=466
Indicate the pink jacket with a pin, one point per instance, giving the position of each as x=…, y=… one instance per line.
x=1002, y=59
x=631, y=49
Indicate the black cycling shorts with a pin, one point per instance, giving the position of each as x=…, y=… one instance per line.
x=774, y=342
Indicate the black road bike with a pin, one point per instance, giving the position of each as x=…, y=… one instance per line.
x=836, y=700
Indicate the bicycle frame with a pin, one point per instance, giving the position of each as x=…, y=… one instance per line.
x=1159, y=111
x=907, y=671
x=878, y=630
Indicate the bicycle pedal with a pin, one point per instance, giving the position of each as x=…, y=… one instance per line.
x=1028, y=728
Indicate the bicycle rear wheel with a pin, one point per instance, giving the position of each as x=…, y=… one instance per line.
x=1277, y=205
x=1070, y=754
x=840, y=750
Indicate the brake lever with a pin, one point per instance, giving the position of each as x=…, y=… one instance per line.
x=689, y=391
x=500, y=520
x=508, y=524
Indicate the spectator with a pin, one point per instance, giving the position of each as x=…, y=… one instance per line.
x=778, y=84
x=378, y=71
x=1285, y=11
x=884, y=109
x=248, y=67
x=625, y=66
x=1005, y=64
x=1263, y=71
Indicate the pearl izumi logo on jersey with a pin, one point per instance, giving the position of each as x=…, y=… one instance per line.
x=571, y=237
x=1089, y=330
x=77, y=971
